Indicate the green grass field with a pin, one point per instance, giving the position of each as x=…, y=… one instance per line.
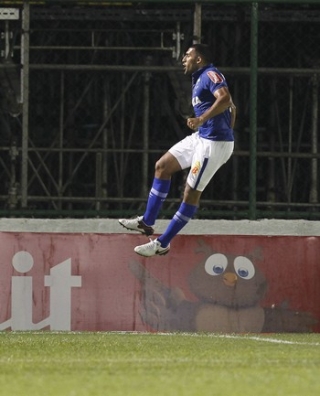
x=145, y=364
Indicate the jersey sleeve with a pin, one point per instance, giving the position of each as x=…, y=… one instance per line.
x=215, y=80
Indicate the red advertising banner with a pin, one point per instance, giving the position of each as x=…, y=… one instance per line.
x=215, y=283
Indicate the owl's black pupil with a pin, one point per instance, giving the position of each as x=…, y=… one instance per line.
x=243, y=272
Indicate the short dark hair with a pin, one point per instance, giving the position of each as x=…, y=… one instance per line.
x=204, y=51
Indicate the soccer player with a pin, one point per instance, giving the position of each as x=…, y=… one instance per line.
x=204, y=151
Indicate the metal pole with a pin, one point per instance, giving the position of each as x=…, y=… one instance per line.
x=253, y=111
x=290, y=134
x=314, y=141
x=105, y=111
x=197, y=24
x=25, y=101
x=122, y=130
x=98, y=180
x=6, y=40
x=178, y=37
x=146, y=109
x=61, y=133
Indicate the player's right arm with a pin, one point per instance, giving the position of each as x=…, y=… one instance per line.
x=233, y=111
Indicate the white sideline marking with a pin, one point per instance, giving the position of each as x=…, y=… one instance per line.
x=247, y=337
x=264, y=339
x=232, y=336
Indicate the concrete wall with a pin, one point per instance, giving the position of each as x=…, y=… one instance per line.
x=220, y=276
x=195, y=227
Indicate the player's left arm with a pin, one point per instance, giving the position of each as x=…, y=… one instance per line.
x=223, y=102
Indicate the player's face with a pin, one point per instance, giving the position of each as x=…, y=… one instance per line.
x=190, y=61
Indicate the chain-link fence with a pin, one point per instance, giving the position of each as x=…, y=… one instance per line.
x=104, y=95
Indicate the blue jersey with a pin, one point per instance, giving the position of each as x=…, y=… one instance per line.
x=205, y=82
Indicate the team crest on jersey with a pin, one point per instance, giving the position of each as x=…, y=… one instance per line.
x=196, y=101
x=195, y=168
x=215, y=77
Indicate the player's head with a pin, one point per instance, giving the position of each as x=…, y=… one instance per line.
x=203, y=51
x=196, y=57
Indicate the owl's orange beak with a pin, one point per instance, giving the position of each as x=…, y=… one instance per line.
x=230, y=279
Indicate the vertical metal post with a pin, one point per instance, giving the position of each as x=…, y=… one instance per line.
x=146, y=110
x=253, y=110
x=178, y=37
x=314, y=141
x=6, y=40
x=101, y=158
x=197, y=24
x=98, y=180
x=25, y=101
x=104, y=170
x=61, y=132
x=122, y=128
x=290, y=135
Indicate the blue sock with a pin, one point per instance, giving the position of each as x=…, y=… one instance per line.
x=179, y=220
x=157, y=196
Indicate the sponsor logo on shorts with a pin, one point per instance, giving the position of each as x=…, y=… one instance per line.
x=195, y=168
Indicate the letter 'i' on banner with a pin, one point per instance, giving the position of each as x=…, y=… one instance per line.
x=60, y=282
x=21, y=293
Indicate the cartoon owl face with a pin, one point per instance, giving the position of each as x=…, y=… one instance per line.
x=228, y=280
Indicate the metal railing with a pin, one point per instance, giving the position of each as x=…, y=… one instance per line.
x=75, y=151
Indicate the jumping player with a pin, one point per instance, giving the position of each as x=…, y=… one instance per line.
x=204, y=151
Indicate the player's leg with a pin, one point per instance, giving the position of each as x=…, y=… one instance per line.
x=186, y=211
x=165, y=167
x=208, y=158
x=184, y=214
x=199, y=172
x=177, y=158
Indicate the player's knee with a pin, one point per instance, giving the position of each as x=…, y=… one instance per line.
x=160, y=168
x=166, y=166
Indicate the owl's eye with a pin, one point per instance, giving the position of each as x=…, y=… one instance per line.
x=216, y=264
x=244, y=267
